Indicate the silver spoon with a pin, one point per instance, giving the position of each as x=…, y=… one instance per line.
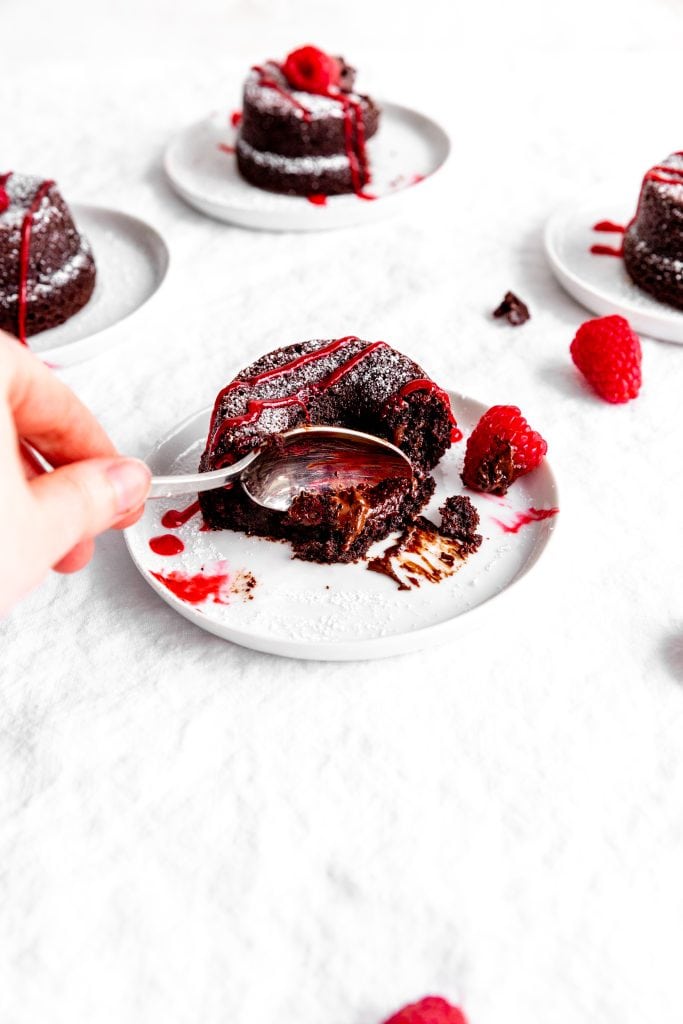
x=309, y=459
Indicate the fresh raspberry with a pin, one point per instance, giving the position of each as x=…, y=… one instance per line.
x=501, y=447
x=607, y=352
x=4, y=199
x=311, y=70
x=430, y=1010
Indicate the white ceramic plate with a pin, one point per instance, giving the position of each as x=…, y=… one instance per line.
x=600, y=283
x=339, y=612
x=132, y=260
x=405, y=154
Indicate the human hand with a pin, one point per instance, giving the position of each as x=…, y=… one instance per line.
x=49, y=520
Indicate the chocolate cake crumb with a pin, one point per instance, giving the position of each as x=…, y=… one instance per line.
x=459, y=520
x=513, y=309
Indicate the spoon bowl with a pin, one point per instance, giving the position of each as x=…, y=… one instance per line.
x=311, y=459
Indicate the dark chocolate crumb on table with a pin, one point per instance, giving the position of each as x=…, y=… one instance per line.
x=513, y=309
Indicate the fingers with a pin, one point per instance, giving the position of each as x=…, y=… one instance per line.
x=45, y=411
x=77, y=558
x=129, y=519
x=80, y=500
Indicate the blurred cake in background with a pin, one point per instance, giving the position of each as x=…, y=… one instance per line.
x=653, y=242
x=304, y=129
x=47, y=270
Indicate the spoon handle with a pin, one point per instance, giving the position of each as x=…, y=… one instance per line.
x=191, y=483
x=161, y=486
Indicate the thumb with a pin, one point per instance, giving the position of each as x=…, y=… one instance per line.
x=83, y=499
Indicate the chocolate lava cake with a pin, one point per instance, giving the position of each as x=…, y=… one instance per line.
x=47, y=271
x=653, y=242
x=303, y=128
x=347, y=382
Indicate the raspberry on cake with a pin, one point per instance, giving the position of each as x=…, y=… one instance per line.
x=47, y=271
x=653, y=242
x=304, y=129
x=346, y=382
x=501, y=448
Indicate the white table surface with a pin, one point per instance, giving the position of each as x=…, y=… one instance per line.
x=193, y=832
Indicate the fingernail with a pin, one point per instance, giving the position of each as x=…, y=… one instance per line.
x=130, y=479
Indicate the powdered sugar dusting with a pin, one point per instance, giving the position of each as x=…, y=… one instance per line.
x=21, y=189
x=271, y=100
x=375, y=378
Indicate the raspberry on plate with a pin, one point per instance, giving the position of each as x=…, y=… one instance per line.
x=430, y=1010
x=501, y=448
x=607, y=352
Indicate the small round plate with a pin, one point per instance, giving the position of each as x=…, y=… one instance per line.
x=281, y=605
x=600, y=283
x=132, y=261
x=408, y=149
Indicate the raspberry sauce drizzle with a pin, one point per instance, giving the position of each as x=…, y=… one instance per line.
x=532, y=515
x=24, y=252
x=267, y=82
x=175, y=518
x=166, y=544
x=664, y=175
x=256, y=406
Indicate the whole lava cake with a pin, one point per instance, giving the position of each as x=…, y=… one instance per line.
x=365, y=386
x=47, y=270
x=653, y=242
x=304, y=129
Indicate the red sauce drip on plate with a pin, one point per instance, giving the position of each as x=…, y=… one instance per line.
x=195, y=588
x=166, y=544
x=175, y=518
x=532, y=515
x=606, y=250
x=609, y=226
x=235, y=118
x=318, y=200
x=225, y=149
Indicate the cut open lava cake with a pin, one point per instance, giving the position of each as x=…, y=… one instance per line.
x=347, y=382
x=303, y=128
x=47, y=271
